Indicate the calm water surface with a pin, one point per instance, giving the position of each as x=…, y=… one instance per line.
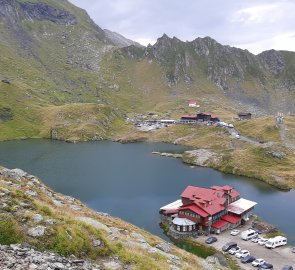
x=128, y=181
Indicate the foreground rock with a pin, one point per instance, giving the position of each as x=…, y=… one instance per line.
x=22, y=257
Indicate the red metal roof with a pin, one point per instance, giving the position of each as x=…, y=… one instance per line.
x=231, y=219
x=219, y=224
x=208, y=200
x=234, y=193
x=192, y=193
x=227, y=188
x=196, y=209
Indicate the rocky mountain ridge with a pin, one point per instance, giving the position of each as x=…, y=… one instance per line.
x=120, y=40
x=258, y=80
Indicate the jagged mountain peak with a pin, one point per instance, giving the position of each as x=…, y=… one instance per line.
x=273, y=60
x=119, y=40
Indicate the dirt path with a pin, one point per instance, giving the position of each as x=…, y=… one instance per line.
x=285, y=136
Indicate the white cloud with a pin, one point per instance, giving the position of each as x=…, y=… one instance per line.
x=258, y=24
x=284, y=41
x=145, y=41
x=257, y=14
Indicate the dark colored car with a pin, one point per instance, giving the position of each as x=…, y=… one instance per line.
x=228, y=246
x=258, y=231
x=287, y=267
x=248, y=259
x=266, y=266
x=211, y=240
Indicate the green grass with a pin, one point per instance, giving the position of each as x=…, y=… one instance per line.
x=10, y=232
x=274, y=234
x=261, y=129
x=199, y=249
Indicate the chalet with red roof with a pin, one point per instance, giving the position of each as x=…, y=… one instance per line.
x=213, y=209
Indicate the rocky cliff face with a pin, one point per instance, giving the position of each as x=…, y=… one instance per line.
x=39, y=11
x=256, y=80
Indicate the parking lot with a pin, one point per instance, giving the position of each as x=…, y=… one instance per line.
x=278, y=257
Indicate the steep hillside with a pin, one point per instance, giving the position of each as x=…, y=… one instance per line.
x=34, y=220
x=51, y=53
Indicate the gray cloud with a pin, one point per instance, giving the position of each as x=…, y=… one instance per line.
x=254, y=24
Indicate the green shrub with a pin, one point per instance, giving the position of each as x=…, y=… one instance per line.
x=45, y=210
x=74, y=239
x=10, y=232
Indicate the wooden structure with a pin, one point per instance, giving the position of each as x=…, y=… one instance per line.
x=244, y=116
x=203, y=117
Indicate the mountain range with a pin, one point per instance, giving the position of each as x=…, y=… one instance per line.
x=53, y=54
x=63, y=77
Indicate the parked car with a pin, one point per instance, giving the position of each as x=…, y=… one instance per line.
x=287, y=267
x=248, y=259
x=243, y=253
x=258, y=262
x=265, y=266
x=293, y=249
x=255, y=239
x=228, y=246
x=262, y=241
x=234, y=232
x=258, y=231
x=238, y=136
x=249, y=234
x=234, y=250
x=211, y=240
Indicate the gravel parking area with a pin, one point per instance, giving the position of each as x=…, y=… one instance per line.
x=278, y=257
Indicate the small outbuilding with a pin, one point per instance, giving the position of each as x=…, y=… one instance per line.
x=204, y=116
x=242, y=208
x=192, y=104
x=184, y=225
x=244, y=115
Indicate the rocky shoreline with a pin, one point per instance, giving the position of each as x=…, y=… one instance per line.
x=209, y=158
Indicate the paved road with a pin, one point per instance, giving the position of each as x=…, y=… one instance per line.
x=278, y=257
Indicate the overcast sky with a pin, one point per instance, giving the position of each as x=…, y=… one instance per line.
x=255, y=25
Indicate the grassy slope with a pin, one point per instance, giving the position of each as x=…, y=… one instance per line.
x=67, y=235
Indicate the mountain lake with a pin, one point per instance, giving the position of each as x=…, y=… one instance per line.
x=128, y=181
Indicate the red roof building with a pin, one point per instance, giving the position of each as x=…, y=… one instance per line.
x=208, y=207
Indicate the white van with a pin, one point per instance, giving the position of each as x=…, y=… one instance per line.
x=249, y=234
x=276, y=242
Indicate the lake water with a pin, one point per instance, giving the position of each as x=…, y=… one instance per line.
x=128, y=181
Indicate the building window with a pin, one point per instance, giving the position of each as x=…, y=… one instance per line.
x=178, y=228
x=184, y=228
